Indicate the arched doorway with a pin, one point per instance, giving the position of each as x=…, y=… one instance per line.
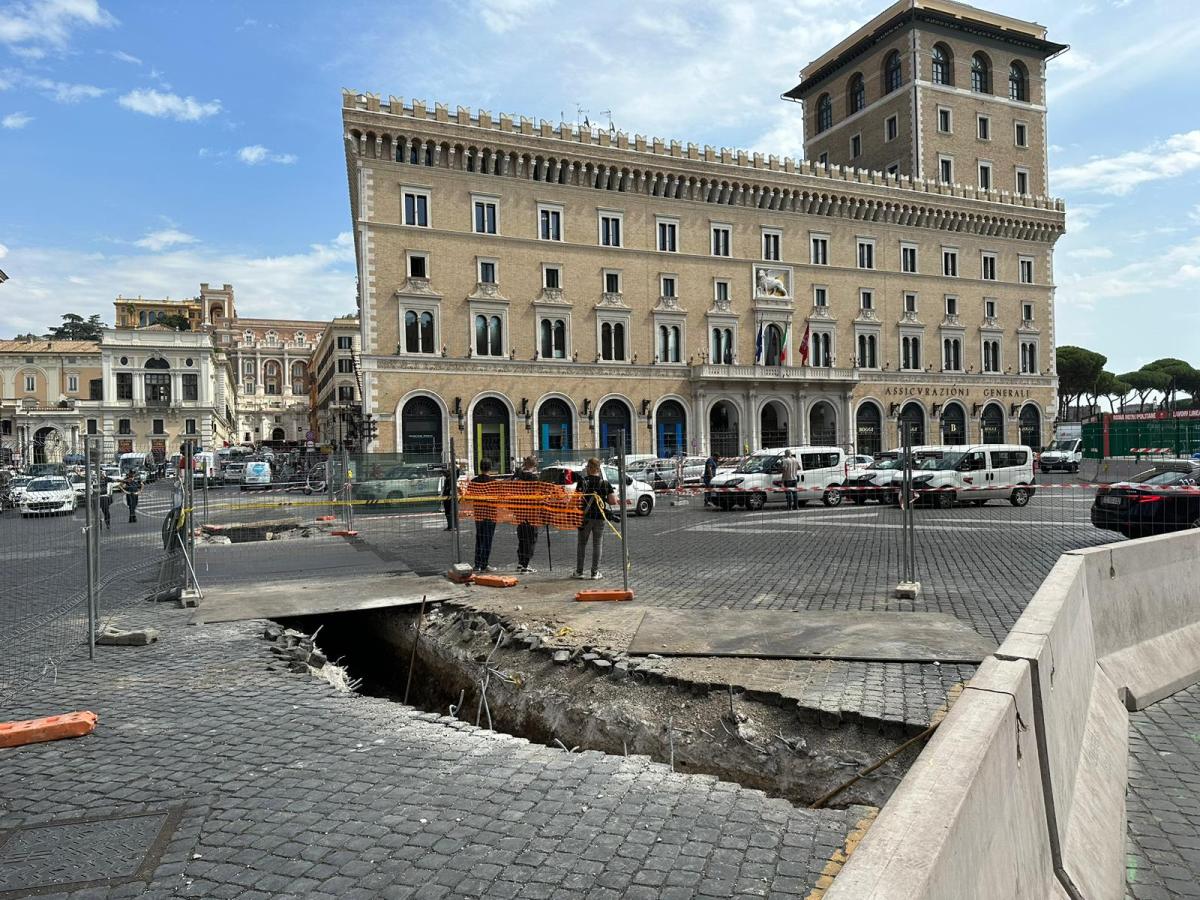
x=615, y=420
x=822, y=424
x=421, y=429
x=773, y=425
x=954, y=424
x=493, y=434
x=555, y=425
x=991, y=424
x=278, y=434
x=724, y=437
x=1031, y=427
x=671, y=426
x=47, y=445
x=868, y=429
x=912, y=422
x=773, y=346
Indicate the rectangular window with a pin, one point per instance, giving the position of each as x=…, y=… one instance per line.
x=720, y=240
x=485, y=216
x=124, y=426
x=988, y=266
x=189, y=426
x=157, y=426
x=668, y=236
x=124, y=385
x=551, y=277
x=771, y=249
x=345, y=342
x=668, y=286
x=989, y=309
x=612, y=282
x=345, y=393
x=821, y=296
x=96, y=389
x=1022, y=182
x=866, y=299
x=1027, y=312
x=910, y=303
x=950, y=262
x=191, y=386
x=866, y=253
x=416, y=208
x=610, y=229
x=549, y=223
x=985, y=176
x=345, y=366
x=951, y=306
x=823, y=160
x=93, y=426
x=721, y=291
x=945, y=170
x=418, y=265
x=908, y=258
x=820, y=249
x=72, y=384
x=856, y=146
x=1026, y=266
x=1021, y=134
x=891, y=128
x=487, y=271
x=945, y=120
x=984, y=127
x=30, y=383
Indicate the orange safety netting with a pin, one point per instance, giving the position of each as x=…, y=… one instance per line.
x=515, y=502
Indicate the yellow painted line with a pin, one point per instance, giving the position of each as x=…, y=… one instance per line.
x=841, y=856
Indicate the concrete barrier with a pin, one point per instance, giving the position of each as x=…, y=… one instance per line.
x=968, y=820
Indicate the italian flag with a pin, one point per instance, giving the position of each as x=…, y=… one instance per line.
x=783, y=352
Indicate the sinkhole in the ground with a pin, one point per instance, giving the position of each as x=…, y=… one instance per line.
x=469, y=666
x=249, y=532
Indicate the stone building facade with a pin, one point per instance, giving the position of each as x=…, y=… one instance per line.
x=45, y=385
x=529, y=287
x=335, y=398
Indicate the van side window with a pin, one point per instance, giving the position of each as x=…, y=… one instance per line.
x=810, y=461
x=974, y=462
x=1002, y=459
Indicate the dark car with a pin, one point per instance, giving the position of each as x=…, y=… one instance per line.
x=1164, y=499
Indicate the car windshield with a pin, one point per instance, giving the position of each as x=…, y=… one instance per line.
x=45, y=484
x=757, y=464
x=886, y=462
x=939, y=462
x=1067, y=446
x=1178, y=479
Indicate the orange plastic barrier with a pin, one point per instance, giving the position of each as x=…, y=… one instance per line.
x=342, y=532
x=604, y=594
x=47, y=728
x=513, y=502
x=495, y=580
x=325, y=518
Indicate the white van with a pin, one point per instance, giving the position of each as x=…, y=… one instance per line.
x=976, y=474
x=204, y=468
x=757, y=481
x=1064, y=454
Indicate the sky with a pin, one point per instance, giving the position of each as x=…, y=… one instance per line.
x=146, y=147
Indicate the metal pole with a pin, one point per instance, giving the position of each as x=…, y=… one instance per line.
x=90, y=556
x=453, y=476
x=624, y=511
x=910, y=513
x=189, y=499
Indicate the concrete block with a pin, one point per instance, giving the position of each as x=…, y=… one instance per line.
x=116, y=637
x=968, y=820
x=1156, y=668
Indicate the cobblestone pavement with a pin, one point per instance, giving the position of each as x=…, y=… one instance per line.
x=280, y=786
x=1163, y=801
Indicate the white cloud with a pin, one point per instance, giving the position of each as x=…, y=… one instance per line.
x=1177, y=155
x=312, y=282
x=49, y=22
x=170, y=106
x=58, y=91
x=1160, y=278
x=257, y=153
x=163, y=238
x=122, y=56
x=1126, y=65
x=3, y=251
x=501, y=16
x=15, y=120
x=1090, y=253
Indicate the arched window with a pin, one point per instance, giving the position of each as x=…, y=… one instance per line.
x=857, y=97
x=892, y=76
x=552, y=343
x=981, y=74
x=1018, y=82
x=272, y=338
x=824, y=113
x=418, y=332
x=271, y=377
x=867, y=352
x=943, y=68
x=868, y=429
x=300, y=338
x=910, y=352
x=668, y=343
x=774, y=346
x=299, y=378
x=248, y=336
x=606, y=341
x=722, y=346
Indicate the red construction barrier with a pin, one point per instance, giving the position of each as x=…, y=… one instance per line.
x=604, y=594
x=47, y=728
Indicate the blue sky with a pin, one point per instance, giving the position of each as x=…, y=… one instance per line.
x=147, y=146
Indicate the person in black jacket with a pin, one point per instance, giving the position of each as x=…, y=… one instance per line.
x=485, y=520
x=595, y=492
x=527, y=531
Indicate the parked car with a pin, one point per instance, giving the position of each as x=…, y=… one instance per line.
x=16, y=487
x=977, y=474
x=1062, y=455
x=233, y=473
x=79, y=485
x=48, y=495
x=757, y=481
x=665, y=474
x=1161, y=500
x=638, y=494
x=256, y=475
x=401, y=482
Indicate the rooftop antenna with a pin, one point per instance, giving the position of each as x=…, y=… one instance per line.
x=611, y=126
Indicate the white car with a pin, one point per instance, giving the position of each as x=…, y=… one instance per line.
x=1062, y=454
x=16, y=487
x=757, y=481
x=977, y=474
x=48, y=495
x=638, y=494
x=79, y=484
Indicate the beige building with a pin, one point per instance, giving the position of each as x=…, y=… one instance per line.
x=336, y=402
x=44, y=388
x=138, y=312
x=524, y=286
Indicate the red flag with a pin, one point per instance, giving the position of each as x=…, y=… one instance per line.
x=804, y=346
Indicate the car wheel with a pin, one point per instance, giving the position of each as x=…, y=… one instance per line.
x=756, y=501
x=832, y=497
x=1020, y=497
x=644, y=506
x=889, y=498
x=945, y=499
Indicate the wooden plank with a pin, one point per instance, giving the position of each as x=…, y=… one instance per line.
x=781, y=634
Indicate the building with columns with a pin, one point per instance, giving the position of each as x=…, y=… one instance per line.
x=527, y=286
x=44, y=387
x=336, y=402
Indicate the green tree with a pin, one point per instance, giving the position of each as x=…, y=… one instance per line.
x=176, y=321
x=1112, y=388
x=1078, y=370
x=1179, y=374
x=76, y=328
x=1145, y=382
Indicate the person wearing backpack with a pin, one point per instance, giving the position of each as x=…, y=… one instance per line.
x=710, y=472
x=595, y=492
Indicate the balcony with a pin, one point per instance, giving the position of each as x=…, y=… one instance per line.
x=772, y=373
